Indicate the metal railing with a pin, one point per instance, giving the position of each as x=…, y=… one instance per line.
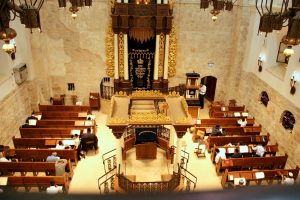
x=188, y=179
x=106, y=182
x=109, y=160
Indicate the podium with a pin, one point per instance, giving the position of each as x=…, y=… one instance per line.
x=146, y=151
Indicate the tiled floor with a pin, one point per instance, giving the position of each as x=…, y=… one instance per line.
x=88, y=170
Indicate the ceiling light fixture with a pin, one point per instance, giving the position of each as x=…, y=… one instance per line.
x=75, y=4
x=218, y=5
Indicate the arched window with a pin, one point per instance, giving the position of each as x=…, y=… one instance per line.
x=287, y=120
x=264, y=98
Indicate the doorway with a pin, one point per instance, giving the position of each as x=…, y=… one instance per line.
x=211, y=83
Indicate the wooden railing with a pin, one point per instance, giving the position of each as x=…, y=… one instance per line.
x=162, y=186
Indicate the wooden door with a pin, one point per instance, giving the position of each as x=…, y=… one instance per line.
x=210, y=82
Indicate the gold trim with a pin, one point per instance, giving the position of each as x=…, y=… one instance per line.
x=172, y=53
x=149, y=118
x=161, y=55
x=117, y=121
x=121, y=55
x=185, y=120
x=174, y=94
x=184, y=105
x=121, y=94
x=147, y=93
x=109, y=47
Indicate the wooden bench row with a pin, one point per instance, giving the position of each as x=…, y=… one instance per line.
x=7, y=168
x=41, y=154
x=75, y=124
x=269, y=150
x=232, y=130
x=62, y=108
x=224, y=122
x=41, y=182
x=223, y=140
x=254, y=176
x=229, y=114
x=62, y=115
x=38, y=143
x=50, y=132
x=274, y=162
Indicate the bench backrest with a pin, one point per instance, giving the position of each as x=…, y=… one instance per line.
x=42, y=154
x=64, y=108
x=63, y=115
x=223, y=122
x=48, y=132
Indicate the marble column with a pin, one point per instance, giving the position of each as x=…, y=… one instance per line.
x=119, y=154
x=166, y=61
x=156, y=58
x=126, y=74
x=159, y=1
x=178, y=154
x=125, y=1
x=165, y=1
x=119, y=1
x=116, y=57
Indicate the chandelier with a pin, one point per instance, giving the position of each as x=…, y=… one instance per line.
x=74, y=5
x=270, y=20
x=26, y=10
x=218, y=6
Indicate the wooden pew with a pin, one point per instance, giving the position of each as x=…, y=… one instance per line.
x=269, y=150
x=229, y=114
x=232, y=130
x=250, y=176
x=75, y=124
x=62, y=108
x=42, y=154
x=38, y=143
x=219, y=108
x=7, y=168
x=63, y=115
x=223, y=140
x=274, y=162
x=48, y=132
x=42, y=182
x=224, y=122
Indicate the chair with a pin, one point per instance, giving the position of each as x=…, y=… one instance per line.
x=91, y=145
x=200, y=150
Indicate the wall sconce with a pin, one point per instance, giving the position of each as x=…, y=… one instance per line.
x=292, y=84
x=259, y=62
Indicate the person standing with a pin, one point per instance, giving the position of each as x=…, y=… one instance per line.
x=202, y=92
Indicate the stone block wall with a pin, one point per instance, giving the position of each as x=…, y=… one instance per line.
x=250, y=87
x=14, y=109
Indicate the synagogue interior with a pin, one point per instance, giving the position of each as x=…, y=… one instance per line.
x=196, y=97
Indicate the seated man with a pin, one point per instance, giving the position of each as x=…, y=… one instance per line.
x=87, y=139
x=217, y=130
x=54, y=189
x=60, y=145
x=242, y=122
x=31, y=120
x=2, y=158
x=259, y=150
x=219, y=155
x=53, y=157
x=289, y=180
x=236, y=154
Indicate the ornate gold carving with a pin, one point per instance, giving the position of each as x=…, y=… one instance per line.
x=172, y=53
x=109, y=47
x=121, y=55
x=116, y=120
x=174, y=94
x=184, y=105
x=184, y=120
x=161, y=55
x=147, y=93
x=121, y=94
x=149, y=118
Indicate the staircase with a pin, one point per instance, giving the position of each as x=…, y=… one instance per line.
x=142, y=106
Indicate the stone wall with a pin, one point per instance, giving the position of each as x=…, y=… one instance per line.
x=14, y=109
x=250, y=87
x=70, y=50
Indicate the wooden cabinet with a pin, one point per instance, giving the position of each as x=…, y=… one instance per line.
x=95, y=101
x=192, y=89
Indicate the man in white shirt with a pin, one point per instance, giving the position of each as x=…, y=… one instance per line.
x=202, y=92
x=219, y=155
x=53, y=189
x=259, y=150
x=242, y=122
x=2, y=158
x=53, y=157
x=289, y=180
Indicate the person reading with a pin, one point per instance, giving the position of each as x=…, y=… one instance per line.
x=242, y=122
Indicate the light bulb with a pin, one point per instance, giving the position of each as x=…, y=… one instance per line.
x=74, y=15
x=214, y=18
x=8, y=47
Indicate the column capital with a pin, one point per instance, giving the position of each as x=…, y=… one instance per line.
x=181, y=130
x=117, y=130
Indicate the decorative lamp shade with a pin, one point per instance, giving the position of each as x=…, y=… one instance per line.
x=288, y=51
x=88, y=2
x=278, y=21
x=33, y=18
x=265, y=24
x=79, y=3
x=8, y=47
x=62, y=3
x=7, y=34
x=218, y=4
